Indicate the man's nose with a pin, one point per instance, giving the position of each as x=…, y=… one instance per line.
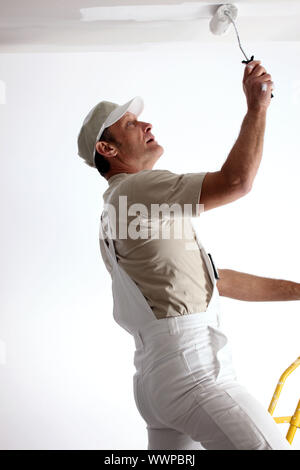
x=147, y=127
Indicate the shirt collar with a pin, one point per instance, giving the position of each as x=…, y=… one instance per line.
x=114, y=177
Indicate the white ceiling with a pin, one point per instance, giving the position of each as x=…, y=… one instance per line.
x=30, y=26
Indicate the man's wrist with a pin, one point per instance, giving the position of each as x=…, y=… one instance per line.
x=258, y=111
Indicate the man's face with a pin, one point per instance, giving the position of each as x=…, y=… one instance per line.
x=136, y=147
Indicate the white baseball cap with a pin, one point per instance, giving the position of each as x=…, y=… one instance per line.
x=103, y=115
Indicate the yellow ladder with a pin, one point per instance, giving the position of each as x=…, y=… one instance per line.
x=295, y=419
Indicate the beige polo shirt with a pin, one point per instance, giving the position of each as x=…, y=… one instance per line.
x=158, y=249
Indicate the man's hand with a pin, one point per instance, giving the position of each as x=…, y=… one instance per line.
x=257, y=85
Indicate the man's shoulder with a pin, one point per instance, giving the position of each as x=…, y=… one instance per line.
x=152, y=175
x=145, y=177
x=137, y=183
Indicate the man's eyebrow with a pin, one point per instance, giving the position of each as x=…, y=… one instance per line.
x=127, y=117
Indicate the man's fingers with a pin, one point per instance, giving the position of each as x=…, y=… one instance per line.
x=250, y=67
x=265, y=77
x=257, y=84
x=258, y=71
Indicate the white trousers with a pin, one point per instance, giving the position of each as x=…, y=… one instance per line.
x=185, y=389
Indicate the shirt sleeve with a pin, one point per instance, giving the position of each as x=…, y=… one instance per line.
x=164, y=187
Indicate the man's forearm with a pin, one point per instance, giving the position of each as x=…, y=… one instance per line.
x=243, y=286
x=244, y=159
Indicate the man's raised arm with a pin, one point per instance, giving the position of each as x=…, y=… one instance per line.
x=237, y=174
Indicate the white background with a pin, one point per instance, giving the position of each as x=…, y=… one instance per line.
x=66, y=368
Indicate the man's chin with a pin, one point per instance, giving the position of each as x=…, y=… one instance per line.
x=161, y=149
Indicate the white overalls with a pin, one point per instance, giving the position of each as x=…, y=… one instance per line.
x=185, y=385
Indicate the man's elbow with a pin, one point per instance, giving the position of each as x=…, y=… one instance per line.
x=225, y=283
x=246, y=187
x=238, y=190
x=243, y=187
x=221, y=282
x=238, y=185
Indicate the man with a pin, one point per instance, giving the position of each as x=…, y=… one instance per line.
x=166, y=289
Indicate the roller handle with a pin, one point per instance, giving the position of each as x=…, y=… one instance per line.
x=247, y=62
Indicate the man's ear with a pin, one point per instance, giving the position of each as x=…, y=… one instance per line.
x=106, y=149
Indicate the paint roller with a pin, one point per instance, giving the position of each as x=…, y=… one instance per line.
x=220, y=22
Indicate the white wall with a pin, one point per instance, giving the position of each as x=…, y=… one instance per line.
x=66, y=368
